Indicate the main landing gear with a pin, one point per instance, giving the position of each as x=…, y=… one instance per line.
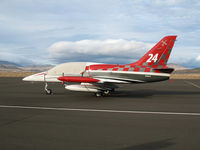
x=104, y=93
x=47, y=91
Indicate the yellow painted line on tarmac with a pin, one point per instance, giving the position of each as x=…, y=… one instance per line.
x=193, y=84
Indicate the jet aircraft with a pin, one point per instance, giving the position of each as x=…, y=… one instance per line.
x=102, y=79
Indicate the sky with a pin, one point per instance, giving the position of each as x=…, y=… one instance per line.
x=108, y=31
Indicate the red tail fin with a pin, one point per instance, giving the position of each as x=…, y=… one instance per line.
x=159, y=54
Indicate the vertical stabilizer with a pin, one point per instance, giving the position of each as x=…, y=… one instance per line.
x=158, y=56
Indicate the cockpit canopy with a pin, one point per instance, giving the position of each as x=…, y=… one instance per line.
x=71, y=68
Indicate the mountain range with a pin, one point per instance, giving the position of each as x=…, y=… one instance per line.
x=6, y=66
x=7, y=63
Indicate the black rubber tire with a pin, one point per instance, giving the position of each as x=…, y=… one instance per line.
x=98, y=94
x=48, y=91
x=106, y=92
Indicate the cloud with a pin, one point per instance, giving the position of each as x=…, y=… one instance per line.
x=198, y=58
x=21, y=60
x=111, y=50
x=170, y=2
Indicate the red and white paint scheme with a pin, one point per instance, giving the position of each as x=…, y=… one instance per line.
x=103, y=78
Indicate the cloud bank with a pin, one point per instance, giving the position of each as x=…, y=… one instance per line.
x=109, y=51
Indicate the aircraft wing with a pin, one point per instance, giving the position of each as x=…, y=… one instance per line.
x=88, y=84
x=90, y=79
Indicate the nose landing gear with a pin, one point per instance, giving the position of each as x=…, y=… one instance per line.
x=47, y=91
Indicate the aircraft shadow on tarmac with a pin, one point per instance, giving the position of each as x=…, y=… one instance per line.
x=157, y=145
x=148, y=93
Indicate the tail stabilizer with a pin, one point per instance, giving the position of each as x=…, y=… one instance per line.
x=165, y=70
x=158, y=56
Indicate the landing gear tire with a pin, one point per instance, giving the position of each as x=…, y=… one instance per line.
x=98, y=94
x=106, y=92
x=48, y=91
x=102, y=93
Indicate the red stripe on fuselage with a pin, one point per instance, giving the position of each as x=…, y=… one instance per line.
x=77, y=79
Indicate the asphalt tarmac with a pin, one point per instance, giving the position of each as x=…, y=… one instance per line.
x=152, y=116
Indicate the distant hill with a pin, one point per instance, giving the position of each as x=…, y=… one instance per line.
x=37, y=68
x=183, y=70
x=188, y=71
x=6, y=66
x=176, y=66
x=9, y=63
x=9, y=66
x=3, y=67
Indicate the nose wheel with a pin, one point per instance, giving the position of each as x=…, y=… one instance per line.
x=47, y=91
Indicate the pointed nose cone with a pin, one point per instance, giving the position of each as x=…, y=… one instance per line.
x=35, y=77
x=26, y=78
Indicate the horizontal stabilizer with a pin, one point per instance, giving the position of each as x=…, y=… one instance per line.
x=165, y=70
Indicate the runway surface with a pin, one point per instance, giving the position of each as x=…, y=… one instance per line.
x=153, y=116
